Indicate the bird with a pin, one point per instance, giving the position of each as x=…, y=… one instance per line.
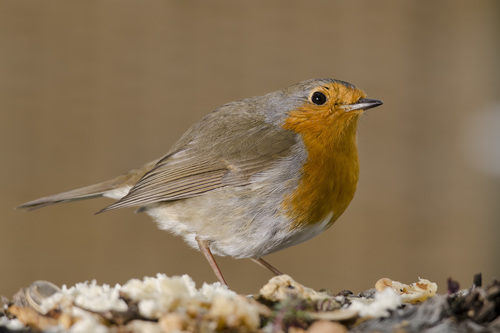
x=252, y=177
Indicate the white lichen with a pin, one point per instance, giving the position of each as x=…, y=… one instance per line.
x=89, y=296
x=87, y=322
x=384, y=301
x=11, y=324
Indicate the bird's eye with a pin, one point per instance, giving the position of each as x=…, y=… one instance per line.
x=318, y=98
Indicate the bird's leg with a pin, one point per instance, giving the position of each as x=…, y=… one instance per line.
x=204, y=246
x=265, y=264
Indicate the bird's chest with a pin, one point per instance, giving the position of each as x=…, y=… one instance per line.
x=327, y=186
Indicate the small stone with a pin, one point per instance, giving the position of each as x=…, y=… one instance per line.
x=324, y=326
x=173, y=322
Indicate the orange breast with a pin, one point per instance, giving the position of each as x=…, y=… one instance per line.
x=330, y=173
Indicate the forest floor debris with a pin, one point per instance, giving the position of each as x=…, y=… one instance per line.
x=167, y=304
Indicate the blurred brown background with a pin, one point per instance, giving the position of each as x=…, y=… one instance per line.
x=91, y=89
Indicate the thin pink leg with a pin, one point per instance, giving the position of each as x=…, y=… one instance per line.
x=205, y=249
x=265, y=264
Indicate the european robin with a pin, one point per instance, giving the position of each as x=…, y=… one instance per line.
x=252, y=177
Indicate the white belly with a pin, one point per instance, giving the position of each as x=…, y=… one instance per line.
x=252, y=242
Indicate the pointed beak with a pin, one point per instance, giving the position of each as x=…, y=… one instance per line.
x=363, y=104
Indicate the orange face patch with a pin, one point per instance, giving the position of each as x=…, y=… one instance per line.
x=330, y=173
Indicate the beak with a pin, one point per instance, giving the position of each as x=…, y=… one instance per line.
x=363, y=104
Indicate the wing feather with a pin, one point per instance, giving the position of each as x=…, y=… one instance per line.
x=194, y=168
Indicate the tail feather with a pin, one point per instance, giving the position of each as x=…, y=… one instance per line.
x=87, y=192
x=114, y=188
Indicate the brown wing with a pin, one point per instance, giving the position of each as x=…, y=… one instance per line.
x=196, y=168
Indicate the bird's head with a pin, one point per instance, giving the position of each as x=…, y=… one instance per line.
x=328, y=108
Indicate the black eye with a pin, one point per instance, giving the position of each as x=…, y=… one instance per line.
x=318, y=98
